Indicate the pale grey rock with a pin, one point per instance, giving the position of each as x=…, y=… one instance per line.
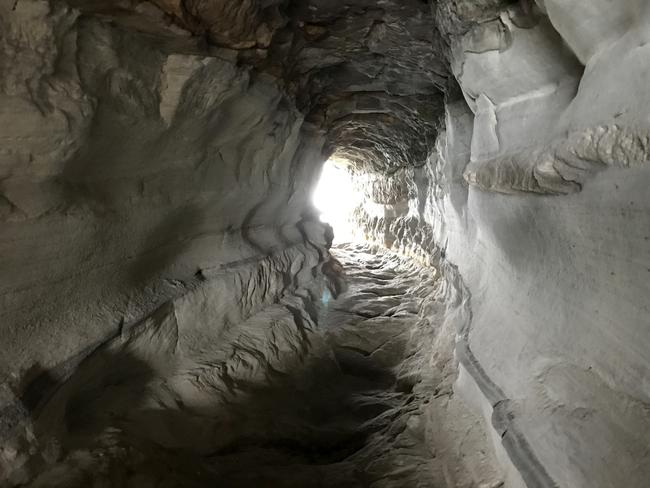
x=121, y=164
x=591, y=28
x=556, y=297
x=533, y=131
x=517, y=90
x=171, y=314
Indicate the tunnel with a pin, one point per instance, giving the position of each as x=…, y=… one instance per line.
x=324, y=244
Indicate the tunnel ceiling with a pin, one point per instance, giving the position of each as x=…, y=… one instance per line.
x=371, y=74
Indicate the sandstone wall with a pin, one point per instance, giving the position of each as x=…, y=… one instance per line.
x=131, y=166
x=536, y=192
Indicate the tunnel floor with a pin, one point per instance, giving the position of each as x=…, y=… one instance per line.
x=350, y=422
x=370, y=403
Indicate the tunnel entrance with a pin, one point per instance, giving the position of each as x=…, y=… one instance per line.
x=336, y=197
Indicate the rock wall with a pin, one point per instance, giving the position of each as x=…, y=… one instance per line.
x=145, y=142
x=132, y=165
x=536, y=194
x=180, y=381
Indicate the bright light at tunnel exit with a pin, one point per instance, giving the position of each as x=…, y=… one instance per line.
x=336, y=199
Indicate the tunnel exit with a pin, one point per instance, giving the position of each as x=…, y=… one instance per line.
x=336, y=198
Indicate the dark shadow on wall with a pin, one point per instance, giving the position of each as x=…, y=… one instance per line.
x=55, y=422
x=100, y=427
x=166, y=242
x=301, y=422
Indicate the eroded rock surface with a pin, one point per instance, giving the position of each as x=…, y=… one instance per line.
x=558, y=297
x=169, y=307
x=305, y=390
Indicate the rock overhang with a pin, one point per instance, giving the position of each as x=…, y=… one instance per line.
x=371, y=76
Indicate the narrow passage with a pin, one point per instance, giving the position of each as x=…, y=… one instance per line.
x=355, y=392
